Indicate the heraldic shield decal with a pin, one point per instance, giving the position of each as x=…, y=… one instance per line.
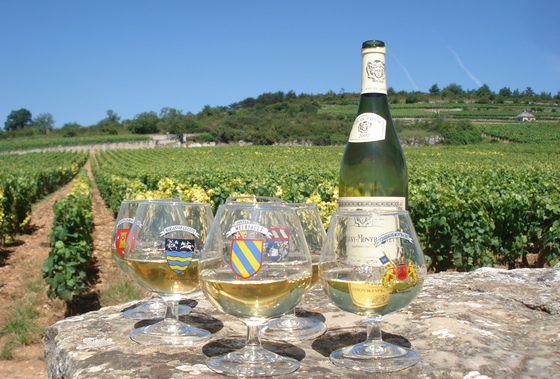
x=278, y=246
x=179, y=253
x=120, y=241
x=246, y=256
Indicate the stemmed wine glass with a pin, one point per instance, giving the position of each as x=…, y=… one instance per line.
x=241, y=274
x=290, y=326
x=153, y=307
x=372, y=265
x=163, y=254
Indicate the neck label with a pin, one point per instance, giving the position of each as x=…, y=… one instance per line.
x=374, y=79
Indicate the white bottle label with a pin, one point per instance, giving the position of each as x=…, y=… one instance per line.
x=362, y=238
x=368, y=127
x=374, y=79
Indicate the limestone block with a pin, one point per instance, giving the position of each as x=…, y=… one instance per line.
x=488, y=323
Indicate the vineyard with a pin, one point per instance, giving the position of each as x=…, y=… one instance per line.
x=482, y=204
x=24, y=179
x=473, y=206
x=523, y=133
x=458, y=111
x=476, y=205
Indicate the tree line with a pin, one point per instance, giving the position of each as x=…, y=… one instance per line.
x=482, y=95
x=275, y=117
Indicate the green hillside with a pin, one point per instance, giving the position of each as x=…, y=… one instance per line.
x=278, y=118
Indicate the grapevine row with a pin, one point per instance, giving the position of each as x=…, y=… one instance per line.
x=65, y=269
x=24, y=179
x=472, y=206
x=527, y=132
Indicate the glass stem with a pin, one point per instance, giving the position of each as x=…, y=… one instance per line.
x=253, y=337
x=374, y=340
x=291, y=313
x=155, y=301
x=289, y=320
x=254, y=352
x=172, y=310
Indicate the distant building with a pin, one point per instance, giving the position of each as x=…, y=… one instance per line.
x=525, y=116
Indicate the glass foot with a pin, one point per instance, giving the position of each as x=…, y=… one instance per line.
x=292, y=328
x=252, y=362
x=383, y=357
x=170, y=332
x=152, y=310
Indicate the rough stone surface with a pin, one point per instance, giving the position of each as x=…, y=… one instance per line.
x=488, y=323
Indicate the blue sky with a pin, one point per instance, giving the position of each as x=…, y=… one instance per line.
x=77, y=59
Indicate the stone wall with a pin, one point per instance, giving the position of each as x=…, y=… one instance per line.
x=163, y=140
x=489, y=323
x=167, y=140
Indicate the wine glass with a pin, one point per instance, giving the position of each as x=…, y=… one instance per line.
x=290, y=326
x=162, y=254
x=153, y=307
x=372, y=265
x=241, y=274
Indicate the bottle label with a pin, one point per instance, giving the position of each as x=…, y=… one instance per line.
x=374, y=79
x=368, y=127
x=362, y=237
x=369, y=296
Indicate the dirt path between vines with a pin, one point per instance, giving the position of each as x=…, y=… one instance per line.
x=21, y=261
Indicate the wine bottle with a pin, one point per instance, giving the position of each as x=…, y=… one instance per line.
x=373, y=168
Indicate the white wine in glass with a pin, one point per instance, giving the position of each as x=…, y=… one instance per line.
x=152, y=308
x=378, y=273
x=163, y=256
x=243, y=274
x=290, y=326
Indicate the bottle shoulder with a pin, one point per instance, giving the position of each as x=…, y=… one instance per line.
x=374, y=102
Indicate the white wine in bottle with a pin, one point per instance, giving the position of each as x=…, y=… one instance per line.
x=373, y=169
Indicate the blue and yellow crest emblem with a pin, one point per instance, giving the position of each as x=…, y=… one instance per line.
x=179, y=253
x=246, y=256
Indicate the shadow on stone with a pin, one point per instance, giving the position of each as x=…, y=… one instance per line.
x=224, y=346
x=144, y=323
x=83, y=303
x=190, y=303
x=337, y=339
x=201, y=321
x=314, y=315
x=130, y=307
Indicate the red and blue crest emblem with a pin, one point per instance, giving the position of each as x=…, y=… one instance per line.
x=179, y=253
x=120, y=241
x=246, y=256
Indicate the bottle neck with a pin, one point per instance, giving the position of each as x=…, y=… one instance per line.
x=374, y=79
